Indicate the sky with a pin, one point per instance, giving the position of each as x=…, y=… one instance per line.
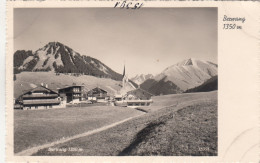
x=147, y=40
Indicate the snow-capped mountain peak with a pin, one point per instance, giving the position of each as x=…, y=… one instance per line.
x=140, y=78
x=190, y=73
x=188, y=62
x=186, y=74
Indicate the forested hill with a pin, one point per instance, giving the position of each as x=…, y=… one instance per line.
x=60, y=58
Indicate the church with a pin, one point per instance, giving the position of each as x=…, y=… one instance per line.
x=132, y=96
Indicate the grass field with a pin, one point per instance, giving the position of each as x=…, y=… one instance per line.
x=177, y=125
x=37, y=127
x=160, y=102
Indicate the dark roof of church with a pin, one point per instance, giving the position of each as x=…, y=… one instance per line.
x=97, y=89
x=140, y=89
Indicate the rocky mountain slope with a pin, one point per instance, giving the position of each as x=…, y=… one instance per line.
x=59, y=58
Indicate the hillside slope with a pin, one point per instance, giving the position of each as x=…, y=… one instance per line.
x=209, y=85
x=162, y=87
x=28, y=80
x=181, y=124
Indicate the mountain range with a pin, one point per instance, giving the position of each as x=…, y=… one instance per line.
x=140, y=78
x=191, y=75
x=59, y=58
x=180, y=77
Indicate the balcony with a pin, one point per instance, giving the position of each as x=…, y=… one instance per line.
x=40, y=96
x=39, y=102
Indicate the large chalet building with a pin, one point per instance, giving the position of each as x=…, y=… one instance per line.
x=40, y=98
x=73, y=93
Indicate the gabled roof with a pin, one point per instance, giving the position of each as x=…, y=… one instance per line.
x=71, y=86
x=137, y=89
x=39, y=88
x=42, y=88
x=97, y=89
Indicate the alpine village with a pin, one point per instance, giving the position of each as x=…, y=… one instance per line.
x=62, y=61
x=66, y=103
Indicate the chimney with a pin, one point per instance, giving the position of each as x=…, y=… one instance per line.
x=46, y=85
x=41, y=84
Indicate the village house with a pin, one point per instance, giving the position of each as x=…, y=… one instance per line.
x=134, y=98
x=138, y=97
x=139, y=94
x=40, y=97
x=73, y=93
x=97, y=94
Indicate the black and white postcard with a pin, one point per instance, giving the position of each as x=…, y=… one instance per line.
x=177, y=80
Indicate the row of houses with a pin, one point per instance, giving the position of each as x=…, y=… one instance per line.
x=43, y=97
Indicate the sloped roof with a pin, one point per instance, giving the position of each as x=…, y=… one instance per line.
x=42, y=88
x=139, y=94
x=71, y=86
x=39, y=88
x=140, y=89
x=97, y=89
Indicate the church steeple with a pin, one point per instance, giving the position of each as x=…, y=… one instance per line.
x=124, y=77
x=124, y=71
x=126, y=84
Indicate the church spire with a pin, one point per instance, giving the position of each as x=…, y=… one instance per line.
x=124, y=71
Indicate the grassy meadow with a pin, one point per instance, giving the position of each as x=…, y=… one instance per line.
x=175, y=125
x=37, y=127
